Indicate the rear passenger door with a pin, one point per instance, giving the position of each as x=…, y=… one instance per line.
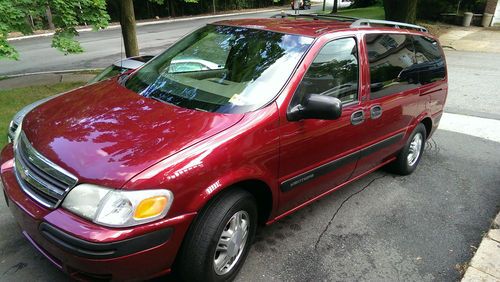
x=393, y=99
x=431, y=67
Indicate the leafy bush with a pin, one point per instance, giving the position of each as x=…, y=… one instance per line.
x=365, y=3
x=432, y=9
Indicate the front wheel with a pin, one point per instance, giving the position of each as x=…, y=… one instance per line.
x=409, y=157
x=218, y=242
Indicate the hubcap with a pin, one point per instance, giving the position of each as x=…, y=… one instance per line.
x=415, y=148
x=231, y=243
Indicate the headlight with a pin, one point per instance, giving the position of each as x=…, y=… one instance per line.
x=117, y=208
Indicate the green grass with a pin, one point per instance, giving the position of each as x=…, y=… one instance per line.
x=12, y=100
x=373, y=12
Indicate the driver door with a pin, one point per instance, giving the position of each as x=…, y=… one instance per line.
x=318, y=155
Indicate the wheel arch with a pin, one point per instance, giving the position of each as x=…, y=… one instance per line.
x=263, y=196
x=427, y=122
x=266, y=199
x=425, y=119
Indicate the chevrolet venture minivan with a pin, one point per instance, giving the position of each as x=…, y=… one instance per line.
x=172, y=169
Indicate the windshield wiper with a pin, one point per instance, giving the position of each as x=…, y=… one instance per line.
x=159, y=100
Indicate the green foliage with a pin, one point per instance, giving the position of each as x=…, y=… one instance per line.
x=67, y=14
x=7, y=51
x=175, y=8
x=12, y=18
x=365, y=3
x=64, y=41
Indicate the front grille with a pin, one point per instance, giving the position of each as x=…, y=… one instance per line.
x=40, y=178
x=12, y=130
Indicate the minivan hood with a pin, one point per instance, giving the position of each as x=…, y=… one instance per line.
x=105, y=134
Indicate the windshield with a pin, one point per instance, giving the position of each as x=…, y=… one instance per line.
x=221, y=69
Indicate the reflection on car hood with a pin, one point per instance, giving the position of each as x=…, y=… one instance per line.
x=18, y=117
x=106, y=134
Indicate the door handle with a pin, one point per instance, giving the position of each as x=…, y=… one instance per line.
x=358, y=117
x=376, y=112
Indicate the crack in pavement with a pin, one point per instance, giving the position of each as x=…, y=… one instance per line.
x=340, y=207
x=15, y=268
x=432, y=146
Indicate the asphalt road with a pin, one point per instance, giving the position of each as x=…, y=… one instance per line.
x=382, y=227
x=104, y=47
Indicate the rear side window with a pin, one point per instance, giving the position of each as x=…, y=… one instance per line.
x=391, y=58
x=429, y=60
x=334, y=72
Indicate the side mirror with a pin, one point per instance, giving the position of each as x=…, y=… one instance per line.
x=316, y=106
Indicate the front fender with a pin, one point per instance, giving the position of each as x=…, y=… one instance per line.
x=247, y=151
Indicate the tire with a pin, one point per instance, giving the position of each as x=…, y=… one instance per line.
x=404, y=164
x=199, y=254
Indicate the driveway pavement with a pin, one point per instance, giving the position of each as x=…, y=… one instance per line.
x=473, y=38
x=414, y=228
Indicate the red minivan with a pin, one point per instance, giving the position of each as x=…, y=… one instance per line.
x=174, y=168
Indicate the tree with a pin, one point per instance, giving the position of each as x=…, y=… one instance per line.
x=65, y=16
x=401, y=10
x=335, y=6
x=127, y=22
x=363, y=3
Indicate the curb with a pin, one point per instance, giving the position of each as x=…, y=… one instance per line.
x=48, y=72
x=44, y=79
x=485, y=265
x=152, y=23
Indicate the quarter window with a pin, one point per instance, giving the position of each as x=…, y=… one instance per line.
x=334, y=72
x=429, y=60
x=392, y=64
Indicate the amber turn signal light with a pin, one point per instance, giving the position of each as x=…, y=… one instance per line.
x=150, y=207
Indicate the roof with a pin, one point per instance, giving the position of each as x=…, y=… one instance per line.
x=300, y=26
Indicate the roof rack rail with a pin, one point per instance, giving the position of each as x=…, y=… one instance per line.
x=316, y=16
x=367, y=22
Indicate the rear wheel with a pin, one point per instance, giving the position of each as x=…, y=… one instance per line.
x=409, y=157
x=218, y=242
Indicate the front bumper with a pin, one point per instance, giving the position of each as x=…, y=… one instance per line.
x=87, y=251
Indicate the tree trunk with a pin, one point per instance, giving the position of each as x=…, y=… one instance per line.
x=335, y=6
x=127, y=22
x=172, y=8
x=48, y=12
x=401, y=10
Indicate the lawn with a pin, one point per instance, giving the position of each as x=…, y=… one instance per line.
x=12, y=100
x=373, y=12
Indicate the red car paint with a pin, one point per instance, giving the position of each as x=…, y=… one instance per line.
x=198, y=154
